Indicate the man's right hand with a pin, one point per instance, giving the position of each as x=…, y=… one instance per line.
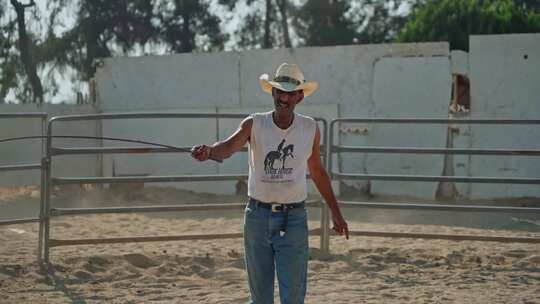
x=201, y=153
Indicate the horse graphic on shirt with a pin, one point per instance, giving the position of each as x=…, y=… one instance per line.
x=279, y=154
x=287, y=151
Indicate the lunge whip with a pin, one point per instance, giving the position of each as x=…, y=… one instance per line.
x=179, y=149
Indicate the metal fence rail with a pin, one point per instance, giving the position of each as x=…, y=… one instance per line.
x=143, y=239
x=432, y=178
x=25, y=166
x=51, y=181
x=442, y=207
x=334, y=149
x=29, y=166
x=41, y=115
x=161, y=208
x=20, y=167
x=451, y=237
x=147, y=179
x=19, y=221
x=521, y=152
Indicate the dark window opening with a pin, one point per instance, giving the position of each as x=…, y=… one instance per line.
x=461, y=94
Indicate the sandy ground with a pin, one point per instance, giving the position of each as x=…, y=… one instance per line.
x=360, y=270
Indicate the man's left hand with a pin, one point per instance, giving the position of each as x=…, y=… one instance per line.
x=340, y=225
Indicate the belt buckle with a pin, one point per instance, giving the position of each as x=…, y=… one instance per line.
x=275, y=208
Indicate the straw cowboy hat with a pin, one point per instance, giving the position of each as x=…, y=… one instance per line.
x=288, y=78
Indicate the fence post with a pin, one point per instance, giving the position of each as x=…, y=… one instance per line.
x=42, y=190
x=325, y=212
x=42, y=208
x=47, y=199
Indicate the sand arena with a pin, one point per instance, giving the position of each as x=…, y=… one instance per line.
x=360, y=270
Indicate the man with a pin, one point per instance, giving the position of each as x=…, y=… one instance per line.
x=282, y=146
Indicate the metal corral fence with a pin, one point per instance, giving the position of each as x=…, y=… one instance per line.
x=328, y=150
x=334, y=149
x=28, y=166
x=51, y=181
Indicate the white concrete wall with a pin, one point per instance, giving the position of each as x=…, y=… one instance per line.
x=505, y=78
x=353, y=82
x=168, y=82
x=31, y=151
x=409, y=87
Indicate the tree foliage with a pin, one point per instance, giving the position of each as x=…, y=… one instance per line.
x=8, y=59
x=338, y=22
x=324, y=22
x=183, y=20
x=104, y=28
x=265, y=25
x=455, y=20
x=18, y=66
x=384, y=22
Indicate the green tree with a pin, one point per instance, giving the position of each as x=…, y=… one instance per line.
x=338, y=22
x=102, y=29
x=455, y=20
x=188, y=25
x=106, y=28
x=8, y=58
x=283, y=6
x=265, y=25
x=384, y=22
x=26, y=51
x=324, y=22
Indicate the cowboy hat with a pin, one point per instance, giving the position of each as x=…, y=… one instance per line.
x=288, y=78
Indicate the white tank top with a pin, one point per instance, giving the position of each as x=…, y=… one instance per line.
x=278, y=158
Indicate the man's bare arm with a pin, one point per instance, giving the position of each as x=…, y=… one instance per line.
x=322, y=182
x=225, y=148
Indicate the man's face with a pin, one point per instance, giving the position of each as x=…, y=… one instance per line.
x=285, y=102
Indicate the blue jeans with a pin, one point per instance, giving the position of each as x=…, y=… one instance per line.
x=267, y=252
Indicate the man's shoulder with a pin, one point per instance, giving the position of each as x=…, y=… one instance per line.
x=305, y=118
x=259, y=114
